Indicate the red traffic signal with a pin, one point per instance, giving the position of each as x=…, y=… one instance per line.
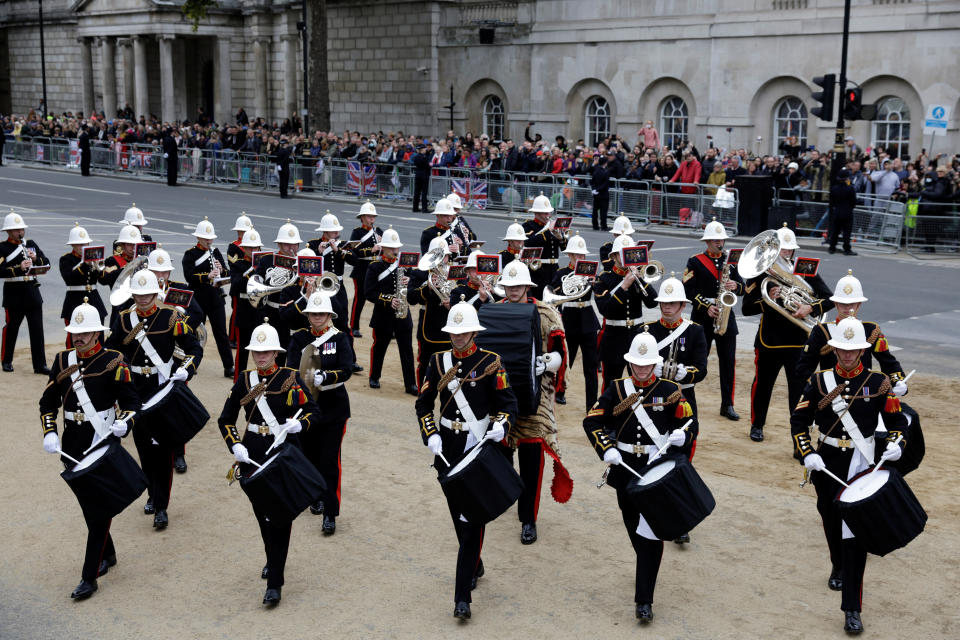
x=852, y=103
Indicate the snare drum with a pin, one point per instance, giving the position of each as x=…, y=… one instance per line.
x=106, y=481
x=177, y=418
x=482, y=484
x=881, y=511
x=285, y=485
x=672, y=497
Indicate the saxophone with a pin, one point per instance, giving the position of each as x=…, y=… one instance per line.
x=726, y=301
x=400, y=293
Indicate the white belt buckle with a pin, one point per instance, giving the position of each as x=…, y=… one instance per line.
x=629, y=322
x=637, y=449
x=79, y=416
x=263, y=429
x=457, y=426
x=147, y=371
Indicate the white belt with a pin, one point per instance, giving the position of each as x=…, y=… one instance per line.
x=686, y=386
x=20, y=278
x=262, y=429
x=145, y=371
x=839, y=443
x=710, y=300
x=275, y=305
x=623, y=323
x=79, y=416
x=636, y=448
x=465, y=425
x=575, y=305
x=549, y=260
x=81, y=287
x=328, y=387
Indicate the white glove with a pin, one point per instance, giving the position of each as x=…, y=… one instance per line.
x=541, y=366
x=293, y=426
x=814, y=462
x=677, y=438
x=658, y=369
x=900, y=389
x=435, y=444
x=612, y=456
x=240, y=453
x=892, y=452
x=119, y=428
x=51, y=442
x=681, y=372
x=319, y=377
x=839, y=405
x=496, y=432
x=552, y=361
x=180, y=375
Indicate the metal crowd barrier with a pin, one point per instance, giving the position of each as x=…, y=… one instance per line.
x=932, y=229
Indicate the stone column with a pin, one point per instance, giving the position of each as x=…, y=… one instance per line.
x=141, y=91
x=167, y=109
x=223, y=86
x=86, y=65
x=108, y=75
x=180, y=80
x=260, y=47
x=290, y=84
x=129, y=87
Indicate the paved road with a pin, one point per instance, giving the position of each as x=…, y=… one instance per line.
x=917, y=302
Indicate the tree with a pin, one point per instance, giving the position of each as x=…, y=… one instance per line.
x=196, y=10
x=318, y=104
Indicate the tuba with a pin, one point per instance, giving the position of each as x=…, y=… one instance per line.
x=437, y=272
x=121, y=288
x=762, y=256
x=573, y=287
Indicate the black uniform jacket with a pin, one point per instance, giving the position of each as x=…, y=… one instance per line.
x=336, y=360
x=432, y=232
x=77, y=273
x=691, y=348
x=363, y=254
x=552, y=246
x=433, y=314
x=701, y=281
x=198, y=275
x=817, y=354
x=775, y=331
x=578, y=315
x=612, y=420
x=20, y=291
x=616, y=304
x=380, y=291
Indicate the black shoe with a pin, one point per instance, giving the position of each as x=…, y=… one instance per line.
x=412, y=390
x=179, y=464
x=357, y=334
x=756, y=434
x=329, y=525
x=228, y=372
x=835, y=581
x=561, y=398
x=374, y=384
x=832, y=250
x=160, y=520
x=317, y=507
x=272, y=597
x=851, y=623
x=264, y=572
x=462, y=611
x=84, y=590
x=105, y=564
x=850, y=253
x=356, y=368
x=8, y=367
x=43, y=371
x=528, y=534
x=148, y=507
x=730, y=413
x=683, y=539
x=645, y=612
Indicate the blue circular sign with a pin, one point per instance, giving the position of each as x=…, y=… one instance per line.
x=938, y=113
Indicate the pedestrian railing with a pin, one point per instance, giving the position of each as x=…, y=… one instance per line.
x=932, y=229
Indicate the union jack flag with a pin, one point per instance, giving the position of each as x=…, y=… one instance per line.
x=361, y=179
x=472, y=192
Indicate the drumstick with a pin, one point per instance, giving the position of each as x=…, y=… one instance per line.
x=630, y=469
x=908, y=375
x=829, y=473
x=282, y=431
x=95, y=443
x=258, y=466
x=667, y=445
x=68, y=457
x=440, y=455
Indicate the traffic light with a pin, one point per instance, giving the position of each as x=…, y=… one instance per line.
x=852, y=103
x=825, y=97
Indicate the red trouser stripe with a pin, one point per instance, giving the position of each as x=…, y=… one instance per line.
x=753, y=387
x=373, y=346
x=234, y=331
x=69, y=343
x=339, y=464
x=536, y=498
x=354, y=320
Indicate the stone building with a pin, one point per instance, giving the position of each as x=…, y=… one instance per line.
x=736, y=71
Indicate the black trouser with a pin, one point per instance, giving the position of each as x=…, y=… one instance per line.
x=15, y=317
x=840, y=222
x=420, y=188
x=172, y=172
x=213, y=310
x=587, y=343
x=727, y=358
x=284, y=178
x=381, y=340
x=358, y=300
x=614, y=342
x=245, y=320
x=601, y=204
x=85, y=163
x=276, y=542
x=469, y=535
x=530, y=459
x=321, y=444
x=341, y=322
x=156, y=460
x=768, y=363
x=846, y=556
x=99, y=546
x=649, y=552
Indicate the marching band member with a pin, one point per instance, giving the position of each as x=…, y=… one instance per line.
x=475, y=290
x=489, y=400
x=580, y=323
x=93, y=386
x=819, y=354
x=124, y=252
x=846, y=401
x=331, y=366
x=133, y=216
x=515, y=238
x=621, y=295
x=234, y=253
x=384, y=288
x=269, y=396
x=701, y=279
x=246, y=313
x=441, y=228
x=80, y=277
x=203, y=267
x=460, y=227
x=540, y=233
x=779, y=342
x=295, y=298
x=21, y=292
x=146, y=334
x=433, y=314
x=368, y=235
x=532, y=435
x=634, y=417
x=288, y=243
x=621, y=227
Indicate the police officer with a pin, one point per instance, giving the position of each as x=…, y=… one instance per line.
x=368, y=235
x=779, y=341
x=83, y=144
x=99, y=402
x=246, y=314
x=843, y=200
x=331, y=366
x=441, y=228
x=701, y=280
x=615, y=428
x=171, y=154
x=515, y=239
x=540, y=233
x=621, y=226
x=580, y=323
x=268, y=273
x=433, y=313
x=283, y=166
x=206, y=273
x=234, y=253
x=421, y=179
x=483, y=409
x=147, y=334
x=620, y=295
x=269, y=396
x=384, y=280
x=80, y=278
x=846, y=402
x=21, y=292
x=475, y=290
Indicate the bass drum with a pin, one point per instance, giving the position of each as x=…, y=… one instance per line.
x=174, y=420
x=915, y=449
x=881, y=511
x=482, y=484
x=106, y=480
x=513, y=333
x=285, y=485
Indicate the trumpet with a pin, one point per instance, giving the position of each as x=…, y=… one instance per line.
x=652, y=271
x=535, y=264
x=326, y=283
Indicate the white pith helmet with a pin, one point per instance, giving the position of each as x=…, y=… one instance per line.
x=243, y=223
x=320, y=303
x=516, y=274
x=251, y=239
x=144, y=282
x=643, y=350
x=391, y=239
x=129, y=235
x=159, y=260
x=85, y=319
x=462, y=318
x=288, y=234
x=78, y=235
x=134, y=216
x=848, y=334
x=671, y=290
x=849, y=290
x=622, y=225
x=264, y=338
x=515, y=232
x=205, y=230
x=329, y=222
x=714, y=231
x=576, y=244
x=541, y=204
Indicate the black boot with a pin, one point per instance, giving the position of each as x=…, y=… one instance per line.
x=851, y=623
x=462, y=611
x=160, y=520
x=179, y=464
x=264, y=573
x=317, y=507
x=148, y=507
x=84, y=590
x=644, y=612
x=329, y=525
x=756, y=434
x=272, y=597
x=835, y=581
x=528, y=534
x=106, y=563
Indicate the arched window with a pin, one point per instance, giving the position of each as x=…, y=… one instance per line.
x=673, y=122
x=596, y=124
x=493, y=117
x=891, y=129
x=789, y=120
